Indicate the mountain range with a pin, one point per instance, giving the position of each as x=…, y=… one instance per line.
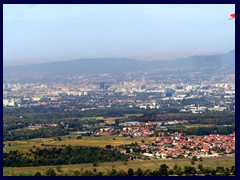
x=121, y=65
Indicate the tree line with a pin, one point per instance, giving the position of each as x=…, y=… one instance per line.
x=44, y=132
x=200, y=131
x=163, y=170
x=60, y=156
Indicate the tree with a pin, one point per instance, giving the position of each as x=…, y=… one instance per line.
x=189, y=170
x=95, y=164
x=233, y=170
x=113, y=172
x=79, y=137
x=226, y=172
x=194, y=158
x=59, y=139
x=179, y=171
x=50, y=172
x=73, y=160
x=171, y=172
x=156, y=173
x=220, y=169
x=175, y=167
x=122, y=173
x=139, y=172
x=213, y=172
x=128, y=150
x=38, y=174
x=130, y=172
x=69, y=148
x=100, y=173
x=207, y=171
x=148, y=172
x=200, y=166
x=164, y=170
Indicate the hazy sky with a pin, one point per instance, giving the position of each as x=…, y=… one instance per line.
x=44, y=33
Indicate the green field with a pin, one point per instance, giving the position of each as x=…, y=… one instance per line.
x=104, y=167
x=71, y=139
x=199, y=125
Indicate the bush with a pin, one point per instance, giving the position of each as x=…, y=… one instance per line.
x=130, y=172
x=58, y=139
x=194, y=158
x=38, y=174
x=95, y=164
x=50, y=172
x=79, y=137
x=59, y=168
x=76, y=173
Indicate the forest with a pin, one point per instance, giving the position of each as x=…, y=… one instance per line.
x=60, y=156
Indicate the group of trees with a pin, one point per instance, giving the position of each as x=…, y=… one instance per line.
x=216, y=118
x=163, y=170
x=37, y=133
x=200, y=131
x=41, y=112
x=59, y=156
x=49, y=113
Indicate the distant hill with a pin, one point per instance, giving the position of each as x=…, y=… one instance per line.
x=120, y=65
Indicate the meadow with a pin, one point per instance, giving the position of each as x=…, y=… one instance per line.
x=114, y=140
x=105, y=167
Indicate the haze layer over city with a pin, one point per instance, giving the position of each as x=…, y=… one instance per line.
x=109, y=90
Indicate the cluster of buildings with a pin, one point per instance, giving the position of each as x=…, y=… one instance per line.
x=137, y=129
x=193, y=108
x=132, y=94
x=172, y=145
x=177, y=145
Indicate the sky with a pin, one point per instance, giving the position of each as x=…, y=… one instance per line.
x=34, y=33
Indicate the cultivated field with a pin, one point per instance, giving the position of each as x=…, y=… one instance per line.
x=111, y=120
x=71, y=139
